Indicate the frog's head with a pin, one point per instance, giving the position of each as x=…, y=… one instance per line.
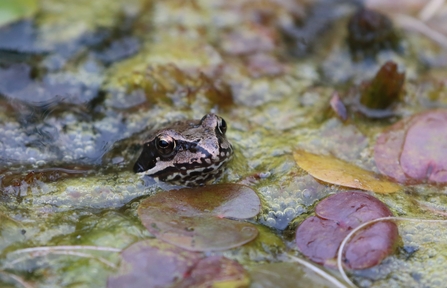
x=191, y=152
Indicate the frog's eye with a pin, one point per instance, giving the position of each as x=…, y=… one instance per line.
x=222, y=126
x=165, y=145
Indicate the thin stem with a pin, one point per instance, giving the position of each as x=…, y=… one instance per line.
x=67, y=247
x=419, y=26
x=72, y=253
x=430, y=9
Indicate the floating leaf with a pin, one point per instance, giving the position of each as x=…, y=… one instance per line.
x=319, y=237
x=152, y=263
x=193, y=218
x=413, y=150
x=13, y=10
x=216, y=271
x=199, y=233
x=387, y=151
x=336, y=171
x=340, y=207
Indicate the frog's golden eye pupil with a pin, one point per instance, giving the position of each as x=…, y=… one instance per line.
x=165, y=145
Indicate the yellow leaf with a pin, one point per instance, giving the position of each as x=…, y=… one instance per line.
x=338, y=172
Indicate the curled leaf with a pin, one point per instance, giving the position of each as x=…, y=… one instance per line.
x=336, y=171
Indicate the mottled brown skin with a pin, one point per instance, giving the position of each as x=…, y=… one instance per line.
x=189, y=152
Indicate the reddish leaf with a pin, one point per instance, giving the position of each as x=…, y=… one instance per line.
x=413, y=150
x=387, y=151
x=187, y=217
x=424, y=152
x=152, y=263
x=371, y=245
x=216, y=271
x=319, y=237
x=351, y=209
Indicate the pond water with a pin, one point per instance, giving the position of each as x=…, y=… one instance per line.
x=83, y=83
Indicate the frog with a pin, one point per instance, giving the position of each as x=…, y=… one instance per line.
x=186, y=153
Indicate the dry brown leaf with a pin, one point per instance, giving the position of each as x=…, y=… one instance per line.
x=336, y=171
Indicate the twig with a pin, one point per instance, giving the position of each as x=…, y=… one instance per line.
x=73, y=253
x=68, y=247
x=415, y=24
x=430, y=9
x=86, y=255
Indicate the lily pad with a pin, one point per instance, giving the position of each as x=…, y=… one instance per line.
x=412, y=151
x=336, y=171
x=216, y=271
x=194, y=218
x=152, y=263
x=319, y=237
